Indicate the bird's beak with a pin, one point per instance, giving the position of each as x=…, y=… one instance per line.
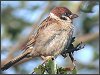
x=73, y=16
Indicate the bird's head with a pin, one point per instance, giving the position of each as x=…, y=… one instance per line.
x=63, y=13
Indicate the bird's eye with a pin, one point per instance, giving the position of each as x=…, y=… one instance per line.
x=66, y=14
x=63, y=17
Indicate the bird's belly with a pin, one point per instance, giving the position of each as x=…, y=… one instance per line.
x=56, y=45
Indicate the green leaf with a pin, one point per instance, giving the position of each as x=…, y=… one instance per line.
x=40, y=69
x=50, y=67
x=61, y=71
x=74, y=71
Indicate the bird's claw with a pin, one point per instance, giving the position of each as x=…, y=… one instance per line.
x=79, y=46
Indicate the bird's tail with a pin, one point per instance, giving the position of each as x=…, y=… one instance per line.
x=15, y=60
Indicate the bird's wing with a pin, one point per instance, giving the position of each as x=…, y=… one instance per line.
x=48, y=29
x=44, y=32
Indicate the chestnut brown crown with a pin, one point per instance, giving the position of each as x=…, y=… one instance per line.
x=63, y=11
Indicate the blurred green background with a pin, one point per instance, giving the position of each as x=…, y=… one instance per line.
x=19, y=18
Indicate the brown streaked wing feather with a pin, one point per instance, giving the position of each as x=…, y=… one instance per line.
x=47, y=29
x=43, y=25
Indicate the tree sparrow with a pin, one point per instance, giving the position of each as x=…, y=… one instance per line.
x=54, y=33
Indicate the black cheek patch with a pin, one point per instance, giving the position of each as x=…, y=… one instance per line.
x=63, y=18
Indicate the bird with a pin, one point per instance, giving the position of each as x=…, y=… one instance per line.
x=54, y=33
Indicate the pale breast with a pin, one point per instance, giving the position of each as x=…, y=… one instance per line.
x=57, y=44
x=52, y=39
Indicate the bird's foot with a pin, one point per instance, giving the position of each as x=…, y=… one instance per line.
x=79, y=46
